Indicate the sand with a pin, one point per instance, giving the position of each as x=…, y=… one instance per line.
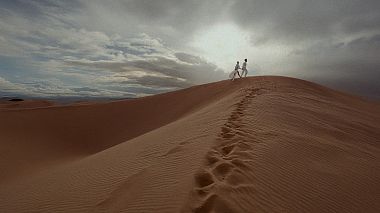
x=260, y=144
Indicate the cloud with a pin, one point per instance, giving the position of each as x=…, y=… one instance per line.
x=351, y=66
x=160, y=71
x=137, y=47
x=166, y=18
x=298, y=20
x=77, y=57
x=7, y=87
x=33, y=88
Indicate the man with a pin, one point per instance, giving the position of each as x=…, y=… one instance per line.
x=236, y=71
x=244, y=69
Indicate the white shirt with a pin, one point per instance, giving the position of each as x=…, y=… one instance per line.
x=237, y=67
x=244, y=66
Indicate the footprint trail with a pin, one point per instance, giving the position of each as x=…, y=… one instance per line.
x=225, y=166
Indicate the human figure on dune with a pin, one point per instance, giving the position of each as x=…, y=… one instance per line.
x=244, y=68
x=236, y=71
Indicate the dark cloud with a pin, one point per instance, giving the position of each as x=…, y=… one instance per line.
x=38, y=10
x=351, y=66
x=191, y=59
x=199, y=72
x=161, y=71
x=181, y=15
x=85, y=89
x=364, y=83
x=78, y=41
x=292, y=20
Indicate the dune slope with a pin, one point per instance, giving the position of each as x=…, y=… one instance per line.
x=39, y=136
x=262, y=144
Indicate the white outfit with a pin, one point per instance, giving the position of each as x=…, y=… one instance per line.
x=244, y=68
x=233, y=73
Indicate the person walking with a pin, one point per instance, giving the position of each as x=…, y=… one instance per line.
x=244, y=68
x=236, y=71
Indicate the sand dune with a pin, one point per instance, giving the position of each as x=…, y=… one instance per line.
x=262, y=144
x=13, y=104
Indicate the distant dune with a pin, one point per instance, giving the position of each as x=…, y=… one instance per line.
x=17, y=103
x=260, y=144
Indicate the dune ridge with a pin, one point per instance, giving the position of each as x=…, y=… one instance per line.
x=261, y=144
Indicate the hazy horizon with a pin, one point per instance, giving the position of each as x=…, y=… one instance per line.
x=133, y=48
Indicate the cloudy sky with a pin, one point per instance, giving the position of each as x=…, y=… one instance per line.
x=133, y=48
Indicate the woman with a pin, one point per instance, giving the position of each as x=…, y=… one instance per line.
x=236, y=71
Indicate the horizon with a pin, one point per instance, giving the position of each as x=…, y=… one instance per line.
x=74, y=99
x=132, y=48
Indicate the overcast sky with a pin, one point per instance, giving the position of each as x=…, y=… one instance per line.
x=132, y=48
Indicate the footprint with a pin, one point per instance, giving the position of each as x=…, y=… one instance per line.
x=226, y=165
x=227, y=135
x=242, y=102
x=236, y=179
x=203, y=179
x=203, y=191
x=231, y=124
x=227, y=149
x=235, y=116
x=210, y=159
x=236, y=125
x=226, y=129
x=222, y=170
x=239, y=112
x=243, y=154
x=228, y=158
x=239, y=163
x=222, y=143
x=207, y=205
x=214, y=204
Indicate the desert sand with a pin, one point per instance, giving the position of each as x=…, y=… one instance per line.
x=260, y=144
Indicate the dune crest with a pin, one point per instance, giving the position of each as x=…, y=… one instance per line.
x=261, y=144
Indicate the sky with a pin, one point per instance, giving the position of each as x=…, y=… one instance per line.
x=134, y=48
